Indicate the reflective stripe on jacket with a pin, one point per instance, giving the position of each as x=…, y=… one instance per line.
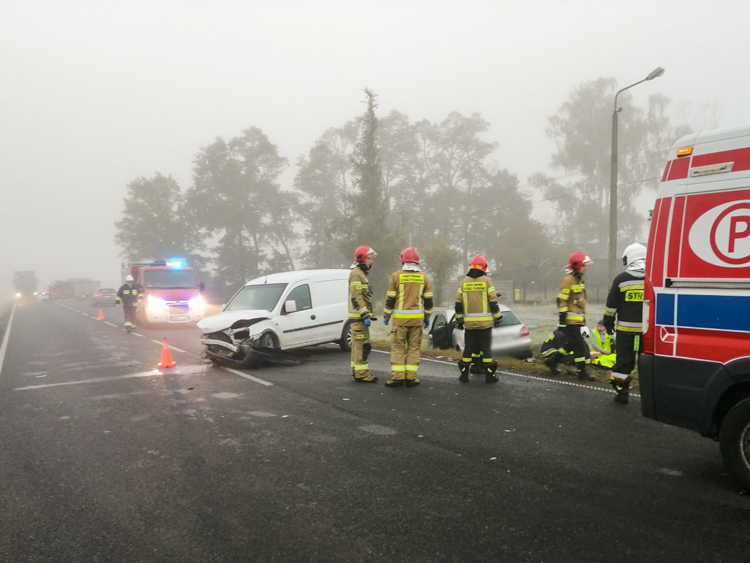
x=409, y=298
x=572, y=299
x=625, y=301
x=128, y=295
x=476, y=303
x=360, y=294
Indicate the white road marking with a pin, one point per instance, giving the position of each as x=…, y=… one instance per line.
x=110, y=324
x=4, y=347
x=377, y=429
x=247, y=376
x=176, y=348
x=152, y=373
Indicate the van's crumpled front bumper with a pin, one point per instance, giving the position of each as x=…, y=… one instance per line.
x=208, y=341
x=219, y=346
x=237, y=341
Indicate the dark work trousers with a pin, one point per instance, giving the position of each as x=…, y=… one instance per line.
x=478, y=345
x=129, y=312
x=629, y=346
x=577, y=346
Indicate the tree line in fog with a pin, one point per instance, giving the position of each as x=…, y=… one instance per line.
x=390, y=182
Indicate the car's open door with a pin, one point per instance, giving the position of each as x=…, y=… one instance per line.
x=440, y=332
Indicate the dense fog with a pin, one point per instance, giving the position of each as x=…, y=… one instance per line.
x=256, y=137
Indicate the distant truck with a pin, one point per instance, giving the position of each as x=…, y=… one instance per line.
x=83, y=288
x=25, y=283
x=169, y=292
x=75, y=288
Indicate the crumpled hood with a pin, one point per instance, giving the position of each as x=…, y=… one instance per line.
x=226, y=319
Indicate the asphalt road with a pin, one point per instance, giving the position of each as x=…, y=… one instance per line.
x=105, y=458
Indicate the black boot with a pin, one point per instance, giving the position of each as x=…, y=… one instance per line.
x=489, y=376
x=551, y=363
x=583, y=373
x=622, y=388
x=464, y=368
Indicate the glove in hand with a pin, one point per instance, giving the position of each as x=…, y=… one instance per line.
x=368, y=322
x=459, y=326
x=385, y=321
x=585, y=332
x=426, y=323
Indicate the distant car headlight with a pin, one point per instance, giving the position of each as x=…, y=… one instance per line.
x=18, y=295
x=156, y=304
x=198, y=303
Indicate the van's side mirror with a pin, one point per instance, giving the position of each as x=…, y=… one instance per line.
x=201, y=287
x=290, y=306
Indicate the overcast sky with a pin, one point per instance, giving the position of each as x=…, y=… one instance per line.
x=97, y=93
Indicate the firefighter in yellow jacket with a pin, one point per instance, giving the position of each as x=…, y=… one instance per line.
x=571, y=308
x=409, y=303
x=477, y=311
x=360, y=313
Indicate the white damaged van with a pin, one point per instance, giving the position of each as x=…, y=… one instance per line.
x=279, y=312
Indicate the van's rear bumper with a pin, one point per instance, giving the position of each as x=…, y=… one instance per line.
x=681, y=391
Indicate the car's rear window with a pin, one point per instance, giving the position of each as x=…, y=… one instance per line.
x=106, y=290
x=509, y=319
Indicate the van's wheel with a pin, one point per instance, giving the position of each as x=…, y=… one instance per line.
x=734, y=439
x=346, y=337
x=269, y=340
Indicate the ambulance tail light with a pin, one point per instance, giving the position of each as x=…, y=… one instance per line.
x=649, y=311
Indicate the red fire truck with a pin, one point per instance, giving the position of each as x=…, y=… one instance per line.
x=169, y=292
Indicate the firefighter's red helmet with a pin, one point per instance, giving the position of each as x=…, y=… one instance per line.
x=578, y=259
x=479, y=262
x=409, y=255
x=363, y=252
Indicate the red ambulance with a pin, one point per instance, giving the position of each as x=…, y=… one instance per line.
x=695, y=367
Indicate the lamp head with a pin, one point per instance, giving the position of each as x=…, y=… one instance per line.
x=656, y=73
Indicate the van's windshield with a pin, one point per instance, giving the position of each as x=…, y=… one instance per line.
x=170, y=279
x=262, y=297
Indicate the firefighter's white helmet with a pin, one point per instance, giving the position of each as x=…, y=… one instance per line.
x=633, y=252
x=128, y=278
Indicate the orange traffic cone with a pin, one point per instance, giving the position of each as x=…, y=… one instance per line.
x=166, y=357
x=101, y=315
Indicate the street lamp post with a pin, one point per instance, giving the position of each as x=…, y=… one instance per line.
x=656, y=73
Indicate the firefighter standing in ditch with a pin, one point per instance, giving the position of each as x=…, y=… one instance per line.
x=360, y=313
x=409, y=302
x=127, y=296
x=477, y=311
x=571, y=308
x=625, y=303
